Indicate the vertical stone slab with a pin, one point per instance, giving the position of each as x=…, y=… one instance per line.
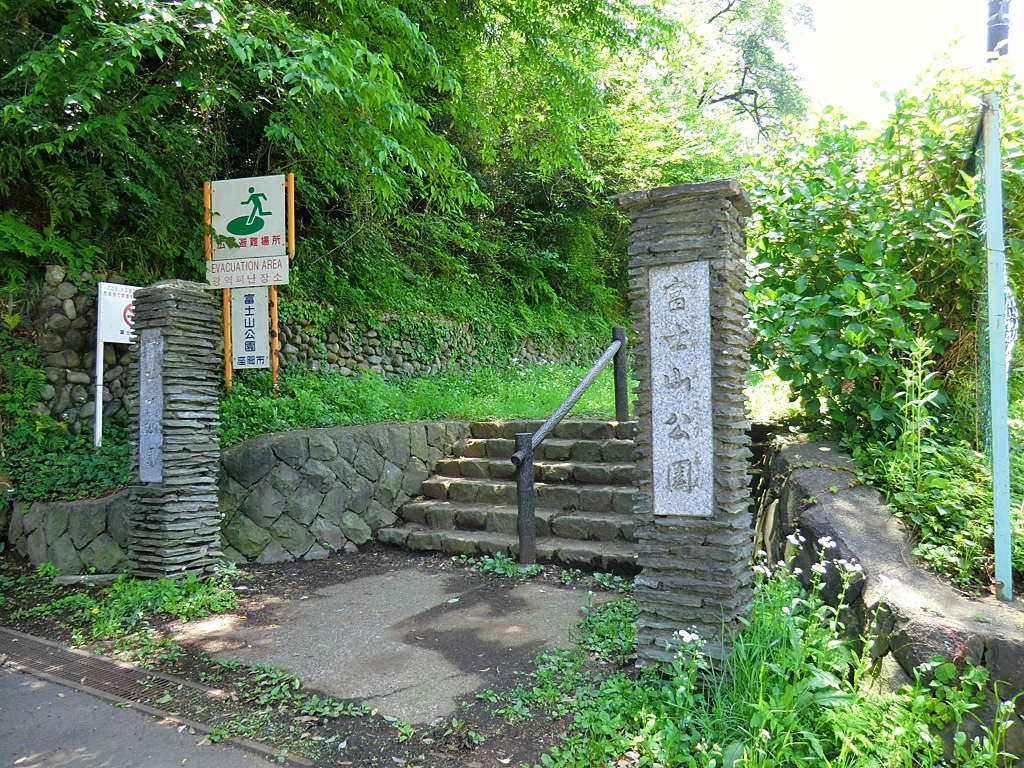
x=174, y=523
x=694, y=532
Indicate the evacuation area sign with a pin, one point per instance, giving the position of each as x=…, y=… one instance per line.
x=250, y=242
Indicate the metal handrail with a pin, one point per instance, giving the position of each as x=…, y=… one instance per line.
x=527, y=441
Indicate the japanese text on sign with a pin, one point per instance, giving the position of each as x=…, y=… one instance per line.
x=250, y=328
x=115, y=313
x=682, y=450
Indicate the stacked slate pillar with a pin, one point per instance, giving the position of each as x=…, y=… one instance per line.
x=174, y=525
x=694, y=529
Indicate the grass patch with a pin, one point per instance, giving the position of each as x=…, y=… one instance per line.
x=327, y=399
x=124, y=611
x=791, y=694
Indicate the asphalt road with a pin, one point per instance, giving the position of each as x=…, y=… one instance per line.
x=45, y=725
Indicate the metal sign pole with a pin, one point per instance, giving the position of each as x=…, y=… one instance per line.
x=97, y=426
x=996, y=258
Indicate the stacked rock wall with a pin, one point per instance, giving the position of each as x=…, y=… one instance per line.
x=87, y=536
x=65, y=322
x=65, y=319
x=355, y=348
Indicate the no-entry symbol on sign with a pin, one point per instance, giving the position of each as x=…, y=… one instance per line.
x=116, y=314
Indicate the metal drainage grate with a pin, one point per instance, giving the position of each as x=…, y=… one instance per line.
x=76, y=668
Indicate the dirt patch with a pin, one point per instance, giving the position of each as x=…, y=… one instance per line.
x=476, y=736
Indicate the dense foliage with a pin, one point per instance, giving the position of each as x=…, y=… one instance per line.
x=868, y=239
x=867, y=279
x=792, y=693
x=452, y=158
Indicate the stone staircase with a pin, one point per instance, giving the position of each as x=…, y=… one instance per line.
x=584, y=491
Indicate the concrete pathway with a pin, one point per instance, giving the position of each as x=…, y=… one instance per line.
x=45, y=725
x=413, y=644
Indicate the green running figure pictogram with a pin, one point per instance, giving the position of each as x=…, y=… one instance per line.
x=247, y=225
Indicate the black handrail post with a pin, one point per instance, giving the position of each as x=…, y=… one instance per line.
x=526, y=499
x=621, y=375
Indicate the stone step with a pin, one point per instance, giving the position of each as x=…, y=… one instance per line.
x=567, y=429
x=503, y=518
x=605, y=473
x=590, y=498
x=552, y=449
x=603, y=556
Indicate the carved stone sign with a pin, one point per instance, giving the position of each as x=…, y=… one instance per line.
x=687, y=274
x=151, y=406
x=682, y=449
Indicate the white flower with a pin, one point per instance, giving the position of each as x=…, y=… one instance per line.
x=785, y=609
x=794, y=539
x=798, y=571
x=761, y=554
x=819, y=568
x=687, y=637
x=826, y=542
x=765, y=735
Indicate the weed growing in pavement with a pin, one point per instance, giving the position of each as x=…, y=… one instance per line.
x=499, y=565
x=608, y=631
x=614, y=583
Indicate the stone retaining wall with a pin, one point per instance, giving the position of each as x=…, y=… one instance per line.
x=283, y=496
x=302, y=494
x=77, y=536
x=65, y=322
x=355, y=348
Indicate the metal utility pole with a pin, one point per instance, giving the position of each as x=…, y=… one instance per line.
x=998, y=28
x=998, y=45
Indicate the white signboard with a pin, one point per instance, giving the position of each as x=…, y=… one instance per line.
x=239, y=273
x=250, y=328
x=682, y=448
x=248, y=217
x=115, y=314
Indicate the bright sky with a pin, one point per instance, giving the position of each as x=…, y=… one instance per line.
x=860, y=48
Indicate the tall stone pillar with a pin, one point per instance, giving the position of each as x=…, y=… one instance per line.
x=174, y=525
x=694, y=530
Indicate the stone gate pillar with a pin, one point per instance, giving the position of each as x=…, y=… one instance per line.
x=174, y=524
x=694, y=530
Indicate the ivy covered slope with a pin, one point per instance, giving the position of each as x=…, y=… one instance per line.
x=452, y=159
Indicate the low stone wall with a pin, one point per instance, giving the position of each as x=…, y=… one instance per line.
x=354, y=348
x=88, y=536
x=912, y=613
x=283, y=496
x=302, y=494
x=65, y=323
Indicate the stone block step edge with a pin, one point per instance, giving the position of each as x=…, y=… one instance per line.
x=600, y=556
x=593, y=498
x=600, y=473
x=567, y=429
x=591, y=451
x=577, y=524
